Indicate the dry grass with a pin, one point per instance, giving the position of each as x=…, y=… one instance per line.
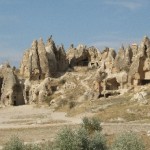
x=112, y=109
x=125, y=109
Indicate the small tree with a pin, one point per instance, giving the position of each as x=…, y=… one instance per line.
x=128, y=141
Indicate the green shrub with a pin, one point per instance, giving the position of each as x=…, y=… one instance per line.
x=87, y=137
x=90, y=142
x=14, y=144
x=92, y=124
x=83, y=139
x=98, y=142
x=128, y=141
x=66, y=140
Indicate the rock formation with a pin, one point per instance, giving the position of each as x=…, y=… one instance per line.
x=42, y=63
x=11, y=92
x=37, y=91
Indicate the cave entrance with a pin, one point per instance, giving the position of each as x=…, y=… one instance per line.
x=83, y=62
x=144, y=82
x=112, y=84
x=15, y=104
x=18, y=98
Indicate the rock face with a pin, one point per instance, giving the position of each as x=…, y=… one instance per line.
x=42, y=63
x=11, y=92
x=78, y=56
x=130, y=67
x=139, y=72
x=35, y=64
x=37, y=92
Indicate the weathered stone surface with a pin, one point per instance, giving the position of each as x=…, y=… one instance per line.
x=113, y=71
x=62, y=62
x=140, y=97
x=95, y=57
x=25, y=64
x=11, y=92
x=119, y=60
x=34, y=62
x=37, y=92
x=43, y=60
x=78, y=56
x=40, y=61
x=139, y=69
x=51, y=51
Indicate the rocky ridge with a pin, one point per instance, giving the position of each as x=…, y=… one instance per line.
x=79, y=73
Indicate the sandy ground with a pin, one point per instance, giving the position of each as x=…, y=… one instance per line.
x=29, y=116
x=34, y=124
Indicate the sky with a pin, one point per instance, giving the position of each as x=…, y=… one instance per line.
x=99, y=23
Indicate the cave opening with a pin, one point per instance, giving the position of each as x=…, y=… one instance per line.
x=144, y=81
x=112, y=84
x=18, y=98
x=83, y=62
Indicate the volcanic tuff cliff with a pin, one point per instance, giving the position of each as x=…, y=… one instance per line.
x=44, y=66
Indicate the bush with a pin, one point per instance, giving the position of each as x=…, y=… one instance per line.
x=66, y=140
x=91, y=125
x=83, y=139
x=14, y=144
x=87, y=137
x=98, y=142
x=128, y=141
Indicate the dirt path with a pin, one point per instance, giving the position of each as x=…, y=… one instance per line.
x=34, y=124
x=29, y=116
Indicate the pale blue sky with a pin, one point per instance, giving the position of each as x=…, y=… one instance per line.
x=92, y=22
